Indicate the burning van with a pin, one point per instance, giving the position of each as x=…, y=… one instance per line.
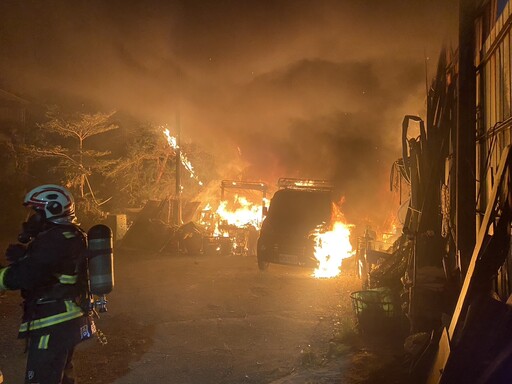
x=298, y=210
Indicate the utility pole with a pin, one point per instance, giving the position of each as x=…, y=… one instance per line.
x=466, y=138
x=177, y=201
x=177, y=207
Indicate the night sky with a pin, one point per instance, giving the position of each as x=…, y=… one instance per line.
x=290, y=88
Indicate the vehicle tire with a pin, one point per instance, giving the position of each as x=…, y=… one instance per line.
x=262, y=264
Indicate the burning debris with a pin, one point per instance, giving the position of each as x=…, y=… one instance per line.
x=234, y=226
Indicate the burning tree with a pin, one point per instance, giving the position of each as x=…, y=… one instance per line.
x=142, y=173
x=147, y=170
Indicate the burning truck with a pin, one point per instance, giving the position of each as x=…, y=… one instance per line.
x=234, y=226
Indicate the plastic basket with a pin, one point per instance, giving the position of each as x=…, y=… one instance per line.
x=373, y=308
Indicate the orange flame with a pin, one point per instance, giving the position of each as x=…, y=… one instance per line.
x=244, y=213
x=331, y=248
x=183, y=157
x=237, y=213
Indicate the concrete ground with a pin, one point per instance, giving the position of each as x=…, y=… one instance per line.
x=216, y=319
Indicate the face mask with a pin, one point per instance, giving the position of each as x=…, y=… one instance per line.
x=31, y=227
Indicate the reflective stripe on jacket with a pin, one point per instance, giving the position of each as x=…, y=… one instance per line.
x=67, y=279
x=72, y=312
x=3, y=287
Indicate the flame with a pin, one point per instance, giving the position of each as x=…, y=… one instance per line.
x=244, y=213
x=235, y=220
x=183, y=157
x=331, y=248
x=217, y=232
x=390, y=236
x=238, y=213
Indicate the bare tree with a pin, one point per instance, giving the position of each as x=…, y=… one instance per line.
x=74, y=161
x=146, y=172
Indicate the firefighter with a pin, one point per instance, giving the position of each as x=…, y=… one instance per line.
x=47, y=266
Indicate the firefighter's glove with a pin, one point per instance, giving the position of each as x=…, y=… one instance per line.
x=15, y=252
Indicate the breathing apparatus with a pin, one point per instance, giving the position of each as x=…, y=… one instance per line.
x=30, y=228
x=100, y=265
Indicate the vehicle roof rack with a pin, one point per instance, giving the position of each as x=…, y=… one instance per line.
x=308, y=184
x=236, y=184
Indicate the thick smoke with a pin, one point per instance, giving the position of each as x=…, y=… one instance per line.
x=311, y=89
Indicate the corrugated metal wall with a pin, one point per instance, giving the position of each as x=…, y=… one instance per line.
x=494, y=107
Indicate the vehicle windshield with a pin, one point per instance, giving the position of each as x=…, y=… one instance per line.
x=299, y=211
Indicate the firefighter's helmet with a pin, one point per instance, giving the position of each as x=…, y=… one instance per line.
x=54, y=201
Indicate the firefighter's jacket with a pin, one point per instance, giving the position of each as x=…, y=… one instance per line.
x=51, y=278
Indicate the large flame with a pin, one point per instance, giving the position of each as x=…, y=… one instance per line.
x=237, y=220
x=183, y=157
x=242, y=212
x=238, y=213
x=331, y=248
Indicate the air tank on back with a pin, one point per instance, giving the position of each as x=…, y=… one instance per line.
x=101, y=260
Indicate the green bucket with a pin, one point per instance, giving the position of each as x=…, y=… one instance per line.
x=373, y=308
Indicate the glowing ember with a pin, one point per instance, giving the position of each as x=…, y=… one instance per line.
x=331, y=248
x=183, y=157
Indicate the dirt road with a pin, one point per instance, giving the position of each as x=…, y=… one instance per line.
x=215, y=319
